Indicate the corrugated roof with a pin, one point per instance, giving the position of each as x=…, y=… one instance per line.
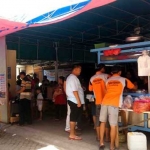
x=111, y=23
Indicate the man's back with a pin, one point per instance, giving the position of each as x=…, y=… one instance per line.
x=73, y=84
x=115, y=86
x=97, y=85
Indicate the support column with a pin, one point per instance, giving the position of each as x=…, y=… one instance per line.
x=56, y=62
x=3, y=82
x=98, y=57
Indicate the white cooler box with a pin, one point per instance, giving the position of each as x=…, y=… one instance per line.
x=136, y=141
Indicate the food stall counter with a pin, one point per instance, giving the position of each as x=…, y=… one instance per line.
x=144, y=116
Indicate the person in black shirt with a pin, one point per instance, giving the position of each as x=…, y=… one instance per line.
x=18, y=80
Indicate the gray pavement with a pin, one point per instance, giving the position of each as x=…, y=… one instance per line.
x=47, y=135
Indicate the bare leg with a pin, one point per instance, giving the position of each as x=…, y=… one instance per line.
x=112, y=137
x=102, y=132
x=117, y=138
x=72, y=129
x=98, y=132
x=107, y=134
x=94, y=121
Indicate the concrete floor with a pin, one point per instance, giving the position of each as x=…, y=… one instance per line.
x=47, y=135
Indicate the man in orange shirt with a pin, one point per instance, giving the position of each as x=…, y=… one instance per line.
x=111, y=102
x=97, y=85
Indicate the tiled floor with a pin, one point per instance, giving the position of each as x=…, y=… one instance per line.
x=47, y=135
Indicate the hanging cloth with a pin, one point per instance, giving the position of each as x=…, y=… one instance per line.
x=144, y=64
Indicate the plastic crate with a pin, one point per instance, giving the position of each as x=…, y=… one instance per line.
x=101, y=45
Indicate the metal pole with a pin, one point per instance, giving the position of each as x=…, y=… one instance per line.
x=19, y=48
x=84, y=55
x=37, y=49
x=56, y=62
x=99, y=32
x=72, y=53
x=98, y=57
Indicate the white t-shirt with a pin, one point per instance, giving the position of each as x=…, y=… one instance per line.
x=73, y=84
x=40, y=97
x=40, y=101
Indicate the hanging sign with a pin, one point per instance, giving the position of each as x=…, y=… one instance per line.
x=112, y=52
x=2, y=88
x=121, y=56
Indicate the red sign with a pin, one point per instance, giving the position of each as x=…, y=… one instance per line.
x=112, y=52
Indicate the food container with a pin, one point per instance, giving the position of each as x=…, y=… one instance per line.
x=136, y=141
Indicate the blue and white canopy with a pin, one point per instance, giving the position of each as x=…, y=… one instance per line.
x=18, y=14
x=39, y=11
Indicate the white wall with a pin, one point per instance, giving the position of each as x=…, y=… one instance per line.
x=3, y=70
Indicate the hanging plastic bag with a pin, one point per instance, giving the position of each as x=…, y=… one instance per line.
x=128, y=102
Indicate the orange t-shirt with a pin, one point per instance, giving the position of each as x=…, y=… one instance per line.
x=97, y=85
x=115, y=86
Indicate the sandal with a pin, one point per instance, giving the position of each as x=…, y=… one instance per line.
x=75, y=138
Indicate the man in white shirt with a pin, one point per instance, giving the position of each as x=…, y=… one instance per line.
x=39, y=102
x=75, y=97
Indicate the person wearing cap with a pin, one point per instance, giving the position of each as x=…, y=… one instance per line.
x=111, y=103
x=97, y=85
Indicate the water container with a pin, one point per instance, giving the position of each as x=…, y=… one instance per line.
x=136, y=141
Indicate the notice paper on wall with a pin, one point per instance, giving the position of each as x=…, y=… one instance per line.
x=144, y=64
x=2, y=88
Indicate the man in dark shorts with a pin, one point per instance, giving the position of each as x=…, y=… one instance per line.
x=75, y=97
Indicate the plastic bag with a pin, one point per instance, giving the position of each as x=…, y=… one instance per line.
x=141, y=106
x=128, y=102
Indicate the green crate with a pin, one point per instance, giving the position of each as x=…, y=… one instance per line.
x=101, y=45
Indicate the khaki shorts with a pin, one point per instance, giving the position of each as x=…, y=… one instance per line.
x=110, y=113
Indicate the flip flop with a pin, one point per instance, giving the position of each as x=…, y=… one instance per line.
x=75, y=138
